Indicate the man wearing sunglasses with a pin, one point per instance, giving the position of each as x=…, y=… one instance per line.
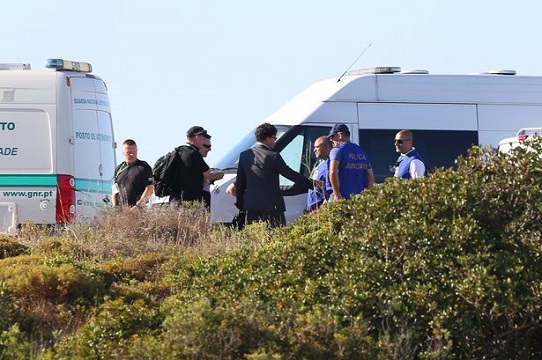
x=191, y=168
x=410, y=164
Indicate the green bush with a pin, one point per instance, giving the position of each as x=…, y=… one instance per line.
x=7, y=307
x=56, y=279
x=9, y=247
x=60, y=246
x=111, y=333
x=445, y=267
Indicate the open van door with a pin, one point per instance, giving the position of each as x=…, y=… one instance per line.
x=94, y=145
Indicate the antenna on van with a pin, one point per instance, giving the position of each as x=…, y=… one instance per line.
x=360, y=55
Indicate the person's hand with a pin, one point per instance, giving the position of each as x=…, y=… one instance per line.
x=216, y=175
x=231, y=189
x=137, y=206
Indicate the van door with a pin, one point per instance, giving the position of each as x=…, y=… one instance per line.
x=94, y=145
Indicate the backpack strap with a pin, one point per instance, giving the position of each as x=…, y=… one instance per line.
x=122, y=166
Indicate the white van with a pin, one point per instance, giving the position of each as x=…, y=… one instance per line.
x=521, y=139
x=447, y=114
x=57, y=150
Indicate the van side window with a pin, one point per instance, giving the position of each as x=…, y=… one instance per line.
x=439, y=148
x=293, y=156
x=296, y=148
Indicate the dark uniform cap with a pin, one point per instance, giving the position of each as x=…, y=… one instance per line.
x=337, y=128
x=197, y=130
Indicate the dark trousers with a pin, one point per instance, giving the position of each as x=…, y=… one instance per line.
x=184, y=196
x=273, y=218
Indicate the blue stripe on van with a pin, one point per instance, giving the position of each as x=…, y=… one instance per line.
x=93, y=185
x=27, y=180
x=88, y=185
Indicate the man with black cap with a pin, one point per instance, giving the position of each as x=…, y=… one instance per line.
x=350, y=171
x=192, y=170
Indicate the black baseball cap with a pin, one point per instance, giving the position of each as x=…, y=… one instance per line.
x=197, y=130
x=337, y=128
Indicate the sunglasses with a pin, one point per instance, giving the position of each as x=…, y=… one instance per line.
x=207, y=146
x=400, y=141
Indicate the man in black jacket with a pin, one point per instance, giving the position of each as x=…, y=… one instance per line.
x=191, y=169
x=257, y=183
x=133, y=179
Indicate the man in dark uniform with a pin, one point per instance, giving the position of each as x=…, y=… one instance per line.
x=133, y=179
x=191, y=169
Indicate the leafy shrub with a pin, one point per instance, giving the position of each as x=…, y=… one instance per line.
x=141, y=268
x=50, y=293
x=52, y=279
x=7, y=307
x=60, y=246
x=111, y=333
x=443, y=267
x=15, y=345
x=10, y=247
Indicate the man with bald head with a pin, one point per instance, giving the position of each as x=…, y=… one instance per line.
x=410, y=164
x=317, y=196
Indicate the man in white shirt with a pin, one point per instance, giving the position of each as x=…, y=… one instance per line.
x=410, y=164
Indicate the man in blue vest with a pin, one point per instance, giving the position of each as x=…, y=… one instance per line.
x=410, y=164
x=320, y=194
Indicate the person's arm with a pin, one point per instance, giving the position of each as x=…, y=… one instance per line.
x=370, y=178
x=212, y=176
x=115, y=189
x=147, y=193
x=114, y=198
x=417, y=169
x=232, y=189
x=240, y=186
x=301, y=183
x=334, y=179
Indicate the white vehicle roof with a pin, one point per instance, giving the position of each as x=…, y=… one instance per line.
x=375, y=85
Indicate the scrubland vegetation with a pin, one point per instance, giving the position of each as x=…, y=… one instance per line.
x=446, y=267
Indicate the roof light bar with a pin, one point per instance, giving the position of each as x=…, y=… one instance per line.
x=67, y=65
x=376, y=70
x=415, y=72
x=500, y=72
x=15, y=66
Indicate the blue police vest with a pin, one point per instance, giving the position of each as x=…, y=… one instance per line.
x=316, y=197
x=403, y=168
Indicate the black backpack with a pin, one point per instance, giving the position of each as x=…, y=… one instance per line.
x=164, y=173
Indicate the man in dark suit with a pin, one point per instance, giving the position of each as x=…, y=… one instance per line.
x=257, y=183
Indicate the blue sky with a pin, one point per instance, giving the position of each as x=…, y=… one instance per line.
x=227, y=65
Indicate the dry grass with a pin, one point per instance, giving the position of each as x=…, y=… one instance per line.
x=114, y=234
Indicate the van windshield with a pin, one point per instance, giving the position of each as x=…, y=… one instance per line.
x=231, y=159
